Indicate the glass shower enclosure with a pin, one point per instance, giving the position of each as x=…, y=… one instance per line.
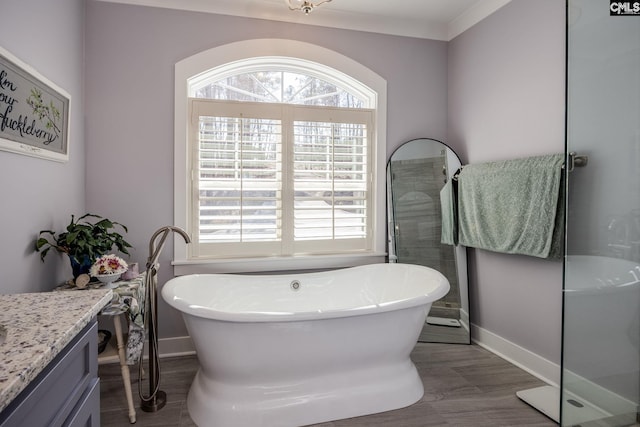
x=601, y=315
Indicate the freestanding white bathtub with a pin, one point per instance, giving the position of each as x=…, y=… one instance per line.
x=297, y=349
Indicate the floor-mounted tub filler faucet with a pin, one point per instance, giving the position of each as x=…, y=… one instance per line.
x=157, y=398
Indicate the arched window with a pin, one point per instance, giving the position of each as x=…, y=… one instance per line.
x=276, y=82
x=281, y=159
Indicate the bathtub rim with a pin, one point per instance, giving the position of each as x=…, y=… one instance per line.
x=588, y=285
x=168, y=293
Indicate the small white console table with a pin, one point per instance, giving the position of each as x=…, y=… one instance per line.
x=128, y=300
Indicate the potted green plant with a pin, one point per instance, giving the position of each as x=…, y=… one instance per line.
x=83, y=241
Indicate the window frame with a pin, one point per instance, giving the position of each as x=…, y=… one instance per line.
x=288, y=115
x=310, y=59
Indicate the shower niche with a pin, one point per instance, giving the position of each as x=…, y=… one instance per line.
x=416, y=172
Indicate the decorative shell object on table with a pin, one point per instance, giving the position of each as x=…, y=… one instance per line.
x=108, y=269
x=82, y=281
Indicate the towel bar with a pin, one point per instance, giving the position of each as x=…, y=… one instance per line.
x=575, y=161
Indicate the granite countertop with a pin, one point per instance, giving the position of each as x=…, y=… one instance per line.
x=39, y=326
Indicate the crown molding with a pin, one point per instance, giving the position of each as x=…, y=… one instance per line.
x=472, y=16
x=326, y=17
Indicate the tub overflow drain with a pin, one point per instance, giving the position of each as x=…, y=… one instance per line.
x=295, y=285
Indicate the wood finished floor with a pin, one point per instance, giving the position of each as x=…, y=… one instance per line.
x=465, y=385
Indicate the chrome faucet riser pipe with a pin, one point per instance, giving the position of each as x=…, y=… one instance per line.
x=157, y=398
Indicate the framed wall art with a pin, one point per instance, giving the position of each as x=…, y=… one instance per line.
x=34, y=112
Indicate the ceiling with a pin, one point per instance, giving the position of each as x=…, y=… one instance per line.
x=430, y=19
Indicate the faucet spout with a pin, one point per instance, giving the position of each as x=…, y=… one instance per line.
x=163, y=233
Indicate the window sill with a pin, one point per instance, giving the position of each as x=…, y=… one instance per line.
x=259, y=265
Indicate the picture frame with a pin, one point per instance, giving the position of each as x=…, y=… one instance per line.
x=34, y=111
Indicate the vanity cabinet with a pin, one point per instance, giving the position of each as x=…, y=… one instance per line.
x=66, y=392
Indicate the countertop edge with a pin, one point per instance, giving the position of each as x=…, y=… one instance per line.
x=18, y=381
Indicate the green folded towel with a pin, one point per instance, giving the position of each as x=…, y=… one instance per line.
x=448, y=206
x=513, y=206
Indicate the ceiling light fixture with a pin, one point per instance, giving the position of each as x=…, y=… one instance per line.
x=304, y=6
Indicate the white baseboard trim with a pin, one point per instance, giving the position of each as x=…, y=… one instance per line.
x=176, y=346
x=167, y=347
x=534, y=364
x=602, y=401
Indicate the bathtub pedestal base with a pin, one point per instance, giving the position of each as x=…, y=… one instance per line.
x=301, y=402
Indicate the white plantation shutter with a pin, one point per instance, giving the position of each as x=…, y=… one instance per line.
x=274, y=179
x=236, y=178
x=331, y=185
x=239, y=179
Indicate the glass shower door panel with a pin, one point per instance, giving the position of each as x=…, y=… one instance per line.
x=601, y=335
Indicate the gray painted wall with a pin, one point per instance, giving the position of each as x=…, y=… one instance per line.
x=500, y=85
x=130, y=57
x=41, y=194
x=506, y=100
